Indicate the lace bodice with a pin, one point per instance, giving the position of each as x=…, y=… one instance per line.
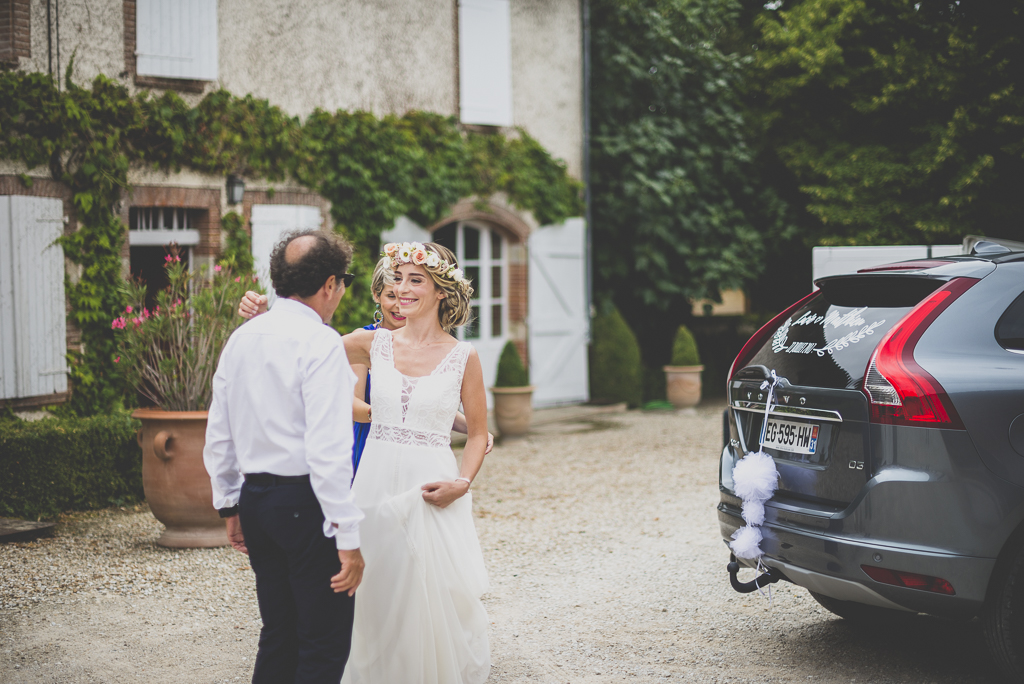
x=419, y=410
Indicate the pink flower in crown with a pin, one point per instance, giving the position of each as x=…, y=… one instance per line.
x=419, y=257
x=128, y=309
x=391, y=249
x=216, y=269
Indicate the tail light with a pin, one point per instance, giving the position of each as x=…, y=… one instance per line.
x=910, y=580
x=758, y=339
x=901, y=392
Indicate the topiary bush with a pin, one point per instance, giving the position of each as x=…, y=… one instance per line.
x=684, y=349
x=511, y=371
x=60, y=464
x=615, y=368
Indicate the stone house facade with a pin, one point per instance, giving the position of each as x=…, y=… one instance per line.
x=493, y=64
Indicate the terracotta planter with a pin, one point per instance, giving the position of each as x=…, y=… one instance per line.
x=175, y=480
x=513, y=409
x=682, y=385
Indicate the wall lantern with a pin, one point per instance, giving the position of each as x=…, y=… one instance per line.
x=236, y=189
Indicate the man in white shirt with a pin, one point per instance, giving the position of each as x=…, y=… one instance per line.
x=279, y=454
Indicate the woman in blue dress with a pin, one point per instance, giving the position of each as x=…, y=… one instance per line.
x=387, y=315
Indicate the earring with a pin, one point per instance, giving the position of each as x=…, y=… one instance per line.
x=378, y=315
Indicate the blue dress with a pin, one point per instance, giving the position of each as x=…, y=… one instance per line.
x=360, y=431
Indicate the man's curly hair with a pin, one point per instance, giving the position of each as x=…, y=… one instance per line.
x=329, y=255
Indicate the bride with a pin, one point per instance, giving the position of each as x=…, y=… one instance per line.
x=418, y=615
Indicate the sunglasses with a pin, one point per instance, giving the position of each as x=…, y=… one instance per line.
x=347, y=278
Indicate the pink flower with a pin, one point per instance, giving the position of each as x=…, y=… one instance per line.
x=145, y=313
x=118, y=323
x=419, y=257
x=128, y=309
x=137, y=322
x=254, y=279
x=117, y=360
x=216, y=269
x=238, y=279
x=391, y=249
x=168, y=258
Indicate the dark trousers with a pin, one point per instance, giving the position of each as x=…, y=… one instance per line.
x=307, y=628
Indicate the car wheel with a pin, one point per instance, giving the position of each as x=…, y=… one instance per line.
x=1002, y=619
x=859, y=613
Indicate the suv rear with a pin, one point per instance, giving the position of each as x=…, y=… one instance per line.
x=898, y=435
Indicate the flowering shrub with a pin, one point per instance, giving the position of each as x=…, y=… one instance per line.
x=170, y=353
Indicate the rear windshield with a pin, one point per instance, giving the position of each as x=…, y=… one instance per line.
x=828, y=342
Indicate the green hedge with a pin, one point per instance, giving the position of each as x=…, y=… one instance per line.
x=511, y=371
x=684, y=348
x=616, y=374
x=60, y=464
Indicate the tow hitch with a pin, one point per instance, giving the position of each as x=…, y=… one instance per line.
x=759, y=582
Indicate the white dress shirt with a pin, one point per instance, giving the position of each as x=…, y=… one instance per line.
x=282, y=404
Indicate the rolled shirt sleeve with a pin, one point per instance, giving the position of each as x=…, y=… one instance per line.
x=327, y=389
x=219, y=454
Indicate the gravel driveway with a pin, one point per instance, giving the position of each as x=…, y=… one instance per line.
x=605, y=564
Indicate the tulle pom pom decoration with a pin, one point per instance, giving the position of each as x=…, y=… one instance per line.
x=755, y=479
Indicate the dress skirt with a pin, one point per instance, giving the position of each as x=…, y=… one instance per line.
x=418, y=614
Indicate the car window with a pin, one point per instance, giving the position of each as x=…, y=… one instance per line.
x=829, y=341
x=1010, y=328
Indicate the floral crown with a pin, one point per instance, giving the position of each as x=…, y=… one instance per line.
x=415, y=253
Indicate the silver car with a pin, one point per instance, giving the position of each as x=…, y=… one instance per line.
x=898, y=435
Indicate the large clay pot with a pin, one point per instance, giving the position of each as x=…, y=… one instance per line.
x=513, y=409
x=682, y=385
x=175, y=480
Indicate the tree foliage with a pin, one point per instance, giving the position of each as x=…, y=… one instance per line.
x=679, y=210
x=902, y=121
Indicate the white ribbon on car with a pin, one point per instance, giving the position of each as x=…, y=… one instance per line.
x=755, y=479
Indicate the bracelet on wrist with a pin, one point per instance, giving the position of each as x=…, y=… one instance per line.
x=468, y=482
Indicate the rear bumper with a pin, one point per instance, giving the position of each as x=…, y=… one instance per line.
x=831, y=565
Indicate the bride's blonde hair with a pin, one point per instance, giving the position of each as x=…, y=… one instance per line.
x=454, y=310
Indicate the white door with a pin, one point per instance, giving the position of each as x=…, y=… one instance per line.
x=269, y=223
x=33, y=339
x=559, y=320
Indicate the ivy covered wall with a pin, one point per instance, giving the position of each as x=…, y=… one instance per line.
x=372, y=169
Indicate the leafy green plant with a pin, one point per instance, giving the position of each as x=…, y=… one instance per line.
x=684, y=348
x=60, y=464
x=511, y=371
x=170, y=354
x=615, y=368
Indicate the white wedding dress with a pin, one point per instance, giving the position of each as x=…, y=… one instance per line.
x=418, y=616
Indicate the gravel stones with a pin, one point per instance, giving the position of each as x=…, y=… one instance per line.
x=605, y=560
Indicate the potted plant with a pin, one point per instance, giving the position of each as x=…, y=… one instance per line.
x=169, y=355
x=682, y=378
x=513, y=393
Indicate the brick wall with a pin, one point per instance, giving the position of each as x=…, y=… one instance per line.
x=15, y=30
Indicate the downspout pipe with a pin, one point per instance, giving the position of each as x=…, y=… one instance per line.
x=586, y=167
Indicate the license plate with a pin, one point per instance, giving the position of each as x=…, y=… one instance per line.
x=796, y=438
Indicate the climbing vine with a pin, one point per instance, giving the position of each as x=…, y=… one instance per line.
x=372, y=169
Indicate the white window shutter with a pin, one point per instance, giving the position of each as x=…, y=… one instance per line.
x=485, y=62
x=176, y=39
x=32, y=310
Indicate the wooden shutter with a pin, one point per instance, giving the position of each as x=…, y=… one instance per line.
x=269, y=223
x=559, y=319
x=485, y=62
x=176, y=39
x=32, y=310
